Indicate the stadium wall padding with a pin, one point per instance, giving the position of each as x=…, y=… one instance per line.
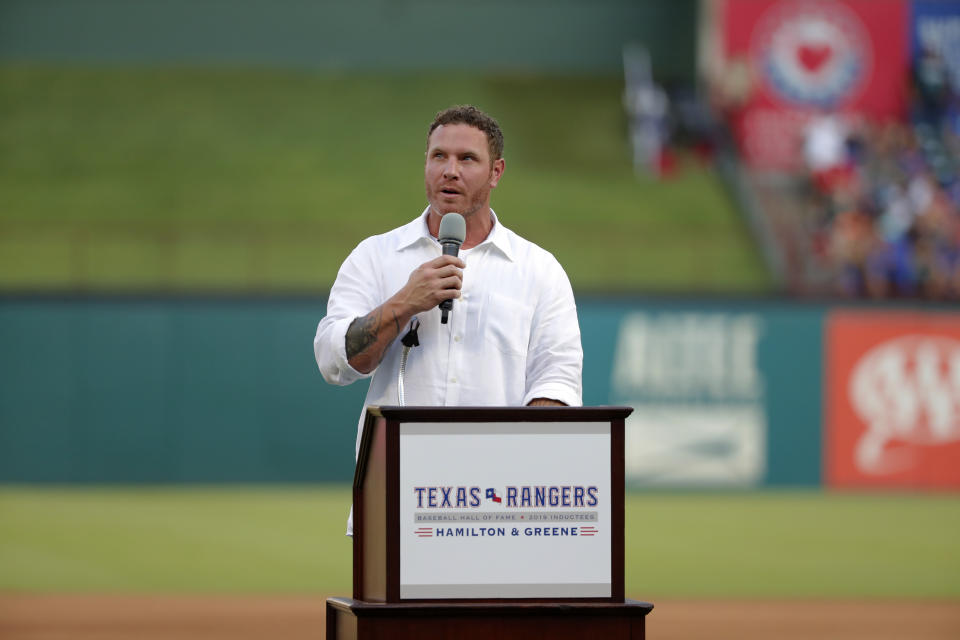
x=527, y=35
x=153, y=390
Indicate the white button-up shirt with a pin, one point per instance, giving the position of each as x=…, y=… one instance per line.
x=512, y=335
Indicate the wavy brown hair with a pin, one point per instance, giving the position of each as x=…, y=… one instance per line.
x=470, y=115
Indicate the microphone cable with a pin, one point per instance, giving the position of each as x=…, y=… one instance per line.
x=409, y=341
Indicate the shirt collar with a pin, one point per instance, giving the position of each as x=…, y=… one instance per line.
x=414, y=232
x=417, y=231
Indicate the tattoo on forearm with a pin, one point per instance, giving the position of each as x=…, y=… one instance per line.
x=362, y=333
x=396, y=321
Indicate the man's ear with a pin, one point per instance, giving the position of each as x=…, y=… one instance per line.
x=496, y=171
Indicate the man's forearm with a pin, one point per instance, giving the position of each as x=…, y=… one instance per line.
x=431, y=283
x=369, y=336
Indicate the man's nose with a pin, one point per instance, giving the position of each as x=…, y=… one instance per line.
x=451, y=169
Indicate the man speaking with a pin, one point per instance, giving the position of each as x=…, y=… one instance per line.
x=512, y=336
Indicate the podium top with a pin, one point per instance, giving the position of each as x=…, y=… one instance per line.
x=498, y=414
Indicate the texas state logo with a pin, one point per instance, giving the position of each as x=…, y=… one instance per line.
x=812, y=54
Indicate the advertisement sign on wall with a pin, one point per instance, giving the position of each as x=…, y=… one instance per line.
x=893, y=400
x=698, y=396
x=806, y=58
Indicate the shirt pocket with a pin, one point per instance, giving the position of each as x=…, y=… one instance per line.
x=507, y=324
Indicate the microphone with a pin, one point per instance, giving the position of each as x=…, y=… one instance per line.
x=453, y=230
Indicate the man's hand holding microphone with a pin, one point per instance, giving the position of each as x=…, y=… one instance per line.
x=434, y=283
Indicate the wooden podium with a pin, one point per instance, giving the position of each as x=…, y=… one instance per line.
x=488, y=522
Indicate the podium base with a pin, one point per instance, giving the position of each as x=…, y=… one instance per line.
x=349, y=619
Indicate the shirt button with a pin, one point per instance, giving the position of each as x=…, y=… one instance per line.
x=453, y=380
x=456, y=338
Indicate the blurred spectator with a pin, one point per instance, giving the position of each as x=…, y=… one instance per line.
x=825, y=152
x=667, y=125
x=931, y=80
x=647, y=107
x=886, y=196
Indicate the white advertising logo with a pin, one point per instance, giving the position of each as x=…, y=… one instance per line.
x=697, y=392
x=813, y=53
x=908, y=390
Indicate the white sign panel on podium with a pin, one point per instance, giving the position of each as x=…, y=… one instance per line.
x=505, y=510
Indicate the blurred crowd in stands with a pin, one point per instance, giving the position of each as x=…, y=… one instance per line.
x=884, y=197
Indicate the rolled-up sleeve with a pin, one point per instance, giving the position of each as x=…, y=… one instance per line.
x=555, y=355
x=355, y=293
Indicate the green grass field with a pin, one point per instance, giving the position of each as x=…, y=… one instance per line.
x=247, y=180
x=790, y=544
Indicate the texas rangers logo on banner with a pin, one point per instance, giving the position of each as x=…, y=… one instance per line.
x=893, y=409
x=812, y=54
x=522, y=505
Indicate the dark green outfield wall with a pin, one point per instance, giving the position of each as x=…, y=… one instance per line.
x=161, y=391
x=523, y=35
x=191, y=390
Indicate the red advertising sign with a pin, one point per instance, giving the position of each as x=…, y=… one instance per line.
x=893, y=400
x=804, y=58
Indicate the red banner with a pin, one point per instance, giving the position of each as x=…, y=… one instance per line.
x=801, y=59
x=893, y=400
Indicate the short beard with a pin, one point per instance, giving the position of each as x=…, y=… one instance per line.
x=472, y=207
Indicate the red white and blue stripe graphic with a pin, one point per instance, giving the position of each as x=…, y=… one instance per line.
x=424, y=532
x=588, y=531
